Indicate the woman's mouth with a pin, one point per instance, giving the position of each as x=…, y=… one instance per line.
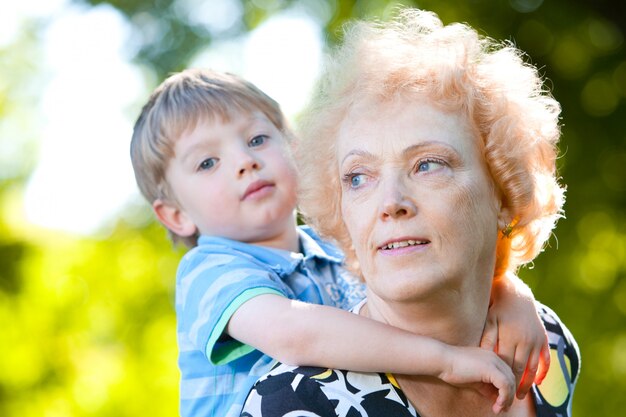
x=404, y=243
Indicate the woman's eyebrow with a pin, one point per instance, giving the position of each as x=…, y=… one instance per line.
x=431, y=145
x=409, y=150
x=358, y=152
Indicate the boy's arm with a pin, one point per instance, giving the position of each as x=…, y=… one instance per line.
x=298, y=333
x=514, y=330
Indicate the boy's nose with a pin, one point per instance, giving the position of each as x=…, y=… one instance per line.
x=248, y=164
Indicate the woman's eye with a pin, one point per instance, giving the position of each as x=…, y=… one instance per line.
x=356, y=180
x=429, y=166
x=257, y=141
x=207, y=164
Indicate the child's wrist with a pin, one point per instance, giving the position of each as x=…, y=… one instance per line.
x=443, y=361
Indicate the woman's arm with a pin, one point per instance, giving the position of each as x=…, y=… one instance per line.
x=298, y=333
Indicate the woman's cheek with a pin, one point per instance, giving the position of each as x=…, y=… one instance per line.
x=354, y=217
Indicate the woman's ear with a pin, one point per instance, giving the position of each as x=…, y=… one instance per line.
x=501, y=212
x=504, y=217
x=175, y=219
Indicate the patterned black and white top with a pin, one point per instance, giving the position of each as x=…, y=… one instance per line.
x=289, y=391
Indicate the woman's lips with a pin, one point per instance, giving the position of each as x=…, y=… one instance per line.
x=258, y=189
x=403, y=245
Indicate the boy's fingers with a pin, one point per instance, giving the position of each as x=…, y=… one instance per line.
x=505, y=383
x=504, y=400
x=489, y=338
x=492, y=391
x=497, y=406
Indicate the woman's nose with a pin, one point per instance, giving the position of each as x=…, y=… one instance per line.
x=396, y=204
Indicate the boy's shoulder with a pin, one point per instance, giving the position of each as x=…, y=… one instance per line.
x=213, y=252
x=217, y=247
x=219, y=253
x=328, y=248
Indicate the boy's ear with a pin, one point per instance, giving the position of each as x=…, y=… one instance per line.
x=174, y=218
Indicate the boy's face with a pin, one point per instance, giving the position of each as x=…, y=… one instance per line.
x=232, y=179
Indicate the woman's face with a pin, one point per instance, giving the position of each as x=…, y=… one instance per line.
x=416, y=199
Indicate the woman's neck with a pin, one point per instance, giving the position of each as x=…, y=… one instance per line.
x=455, y=317
x=432, y=397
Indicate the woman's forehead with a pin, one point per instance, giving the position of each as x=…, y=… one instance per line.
x=402, y=122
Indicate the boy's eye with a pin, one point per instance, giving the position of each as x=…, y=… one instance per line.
x=258, y=140
x=207, y=164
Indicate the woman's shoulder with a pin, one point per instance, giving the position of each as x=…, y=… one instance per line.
x=554, y=395
x=560, y=338
x=325, y=392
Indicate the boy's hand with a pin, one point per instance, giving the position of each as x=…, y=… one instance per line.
x=515, y=331
x=482, y=370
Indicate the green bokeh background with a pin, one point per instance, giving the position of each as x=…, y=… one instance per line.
x=87, y=326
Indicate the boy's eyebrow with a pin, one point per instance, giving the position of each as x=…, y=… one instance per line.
x=258, y=117
x=191, y=151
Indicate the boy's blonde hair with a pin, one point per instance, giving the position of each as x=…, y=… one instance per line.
x=176, y=106
x=515, y=118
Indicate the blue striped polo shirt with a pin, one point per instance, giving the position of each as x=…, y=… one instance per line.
x=217, y=277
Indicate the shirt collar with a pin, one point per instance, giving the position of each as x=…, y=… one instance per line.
x=283, y=262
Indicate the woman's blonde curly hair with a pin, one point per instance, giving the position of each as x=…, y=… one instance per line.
x=515, y=117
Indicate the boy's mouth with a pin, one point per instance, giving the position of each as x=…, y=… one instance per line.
x=256, y=188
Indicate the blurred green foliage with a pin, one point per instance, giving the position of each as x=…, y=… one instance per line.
x=87, y=324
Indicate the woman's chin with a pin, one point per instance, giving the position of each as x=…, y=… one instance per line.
x=400, y=288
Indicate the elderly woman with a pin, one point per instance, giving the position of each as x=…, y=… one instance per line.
x=433, y=150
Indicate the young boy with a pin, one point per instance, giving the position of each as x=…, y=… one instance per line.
x=210, y=154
